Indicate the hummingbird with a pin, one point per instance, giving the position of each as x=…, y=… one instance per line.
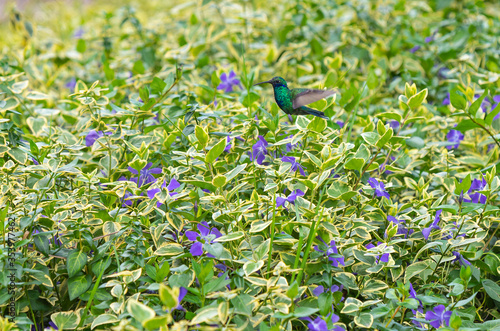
x=294, y=101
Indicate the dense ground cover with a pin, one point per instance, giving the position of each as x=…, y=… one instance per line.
x=147, y=184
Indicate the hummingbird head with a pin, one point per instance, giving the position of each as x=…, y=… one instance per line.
x=275, y=81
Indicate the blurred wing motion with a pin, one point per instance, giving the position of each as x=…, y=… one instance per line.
x=302, y=97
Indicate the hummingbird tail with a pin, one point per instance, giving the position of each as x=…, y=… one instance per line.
x=315, y=112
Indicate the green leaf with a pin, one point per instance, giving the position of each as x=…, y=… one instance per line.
x=138, y=68
x=201, y=184
x=250, y=267
x=140, y=311
x=492, y=289
x=385, y=138
x=304, y=311
x=81, y=46
x=35, y=95
x=466, y=125
x=65, y=320
x=230, y=237
x=18, y=154
x=215, y=151
x=219, y=181
x=415, y=142
x=415, y=101
x=293, y=290
x=202, y=136
x=355, y=164
x=104, y=319
x=169, y=249
x=318, y=125
x=364, y=320
x=78, y=285
x=233, y=173
x=457, y=99
x=157, y=85
x=371, y=138
x=168, y=296
x=423, y=269
x=75, y=262
x=476, y=104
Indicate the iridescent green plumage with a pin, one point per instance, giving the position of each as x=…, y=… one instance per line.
x=294, y=101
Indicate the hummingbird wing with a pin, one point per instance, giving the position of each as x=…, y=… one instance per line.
x=304, y=96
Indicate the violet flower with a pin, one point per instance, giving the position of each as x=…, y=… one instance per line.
x=71, y=84
x=320, y=324
x=460, y=259
x=477, y=185
x=228, y=82
x=229, y=145
x=204, y=236
x=454, y=136
x=330, y=250
x=379, y=188
x=295, y=164
x=446, y=100
x=427, y=231
x=415, y=48
x=174, y=184
x=259, y=150
x=146, y=174
x=78, y=34
x=321, y=289
x=394, y=125
x=384, y=258
x=340, y=123
x=402, y=229
x=413, y=294
x=291, y=198
x=93, y=135
x=438, y=317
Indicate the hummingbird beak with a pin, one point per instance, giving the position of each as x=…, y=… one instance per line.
x=267, y=81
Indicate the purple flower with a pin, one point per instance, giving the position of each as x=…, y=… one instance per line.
x=415, y=48
x=174, y=184
x=320, y=324
x=427, y=231
x=295, y=165
x=93, y=135
x=78, y=34
x=379, y=188
x=182, y=293
x=259, y=150
x=71, y=83
x=461, y=260
x=328, y=251
x=394, y=125
x=431, y=37
x=496, y=99
x=438, y=317
x=321, y=289
x=51, y=326
x=227, y=82
x=477, y=185
x=454, y=136
x=205, y=235
x=402, y=229
x=413, y=294
x=340, y=123
x=384, y=258
x=446, y=100
x=146, y=174
x=228, y=146
x=291, y=198
x=290, y=146
x=35, y=161
x=451, y=234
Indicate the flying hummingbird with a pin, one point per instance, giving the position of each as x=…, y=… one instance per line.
x=294, y=101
